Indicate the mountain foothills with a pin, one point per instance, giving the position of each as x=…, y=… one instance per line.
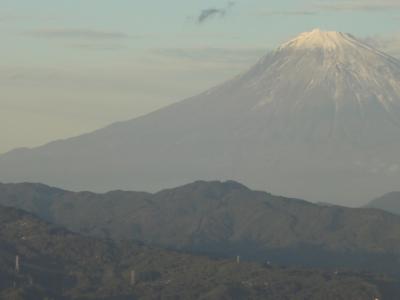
x=389, y=202
x=224, y=219
x=317, y=118
x=57, y=264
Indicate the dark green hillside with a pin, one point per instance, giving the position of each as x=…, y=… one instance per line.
x=224, y=219
x=57, y=264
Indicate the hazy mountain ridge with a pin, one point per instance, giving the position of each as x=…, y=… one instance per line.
x=318, y=118
x=56, y=264
x=389, y=202
x=223, y=219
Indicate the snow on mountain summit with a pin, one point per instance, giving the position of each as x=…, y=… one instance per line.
x=335, y=44
x=333, y=68
x=317, y=38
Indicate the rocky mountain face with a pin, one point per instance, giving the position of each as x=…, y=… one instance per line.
x=57, y=264
x=224, y=219
x=389, y=202
x=318, y=118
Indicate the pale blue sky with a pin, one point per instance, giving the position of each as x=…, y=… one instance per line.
x=71, y=66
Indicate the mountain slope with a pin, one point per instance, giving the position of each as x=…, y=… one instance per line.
x=389, y=202
x=318, y=118
x=56, y=264
x=224, y=219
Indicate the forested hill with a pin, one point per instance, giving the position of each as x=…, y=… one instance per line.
x=57, y=264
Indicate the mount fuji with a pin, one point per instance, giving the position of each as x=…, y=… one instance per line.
x=317, y=118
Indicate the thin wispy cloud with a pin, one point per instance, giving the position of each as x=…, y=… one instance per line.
x=98, y=46
x=340, y=6
x=358, y=5
x=289, y=13
x=209, y=13
x=83, y=34
x=243, y=56
x=13, y=18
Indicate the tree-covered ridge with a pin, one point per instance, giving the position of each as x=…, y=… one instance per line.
x=58, y=264
x=223, y=219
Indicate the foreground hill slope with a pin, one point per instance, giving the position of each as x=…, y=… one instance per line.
x=56, y=264
x=223, y=219
x=389, y=202
x=317, y=118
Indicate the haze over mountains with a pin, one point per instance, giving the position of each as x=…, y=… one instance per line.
x=318, y=118
x=389, y=202
x=224, y=219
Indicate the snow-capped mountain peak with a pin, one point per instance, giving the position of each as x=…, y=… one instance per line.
x=328, y=40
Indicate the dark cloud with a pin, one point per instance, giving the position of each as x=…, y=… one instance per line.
x=208, y=13
x=85, y=34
